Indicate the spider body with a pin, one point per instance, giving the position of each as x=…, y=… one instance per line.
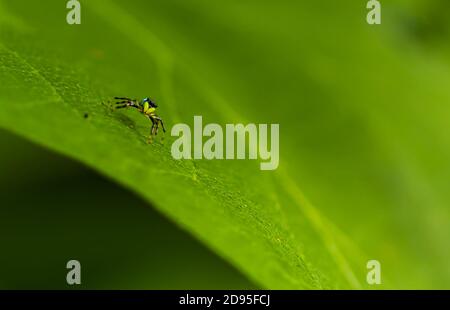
x=147, y=107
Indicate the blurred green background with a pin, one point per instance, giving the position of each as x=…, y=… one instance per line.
x=54, y=210
x=364, y=114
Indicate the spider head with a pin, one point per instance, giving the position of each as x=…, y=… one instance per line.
x=150, y=102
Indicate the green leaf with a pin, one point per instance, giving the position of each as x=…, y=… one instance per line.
x=355, y=135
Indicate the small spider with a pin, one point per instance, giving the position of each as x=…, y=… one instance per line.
x=147, y=107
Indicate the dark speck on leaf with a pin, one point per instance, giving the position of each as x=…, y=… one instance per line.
x=86, y=115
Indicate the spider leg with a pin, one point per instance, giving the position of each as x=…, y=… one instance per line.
x=150, y=137
x=159, y=120
x=121, y=105
x=124, y=104
x=162, y=124
x=127, y=103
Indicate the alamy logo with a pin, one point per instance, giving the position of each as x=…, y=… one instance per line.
x=74, y=15
x=74, y=274
x=374, y=15
x=374, y=274
x=240, y=142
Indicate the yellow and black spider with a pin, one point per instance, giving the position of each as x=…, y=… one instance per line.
x=147, y=107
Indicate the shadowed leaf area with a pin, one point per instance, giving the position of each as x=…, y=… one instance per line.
x=363, y=113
